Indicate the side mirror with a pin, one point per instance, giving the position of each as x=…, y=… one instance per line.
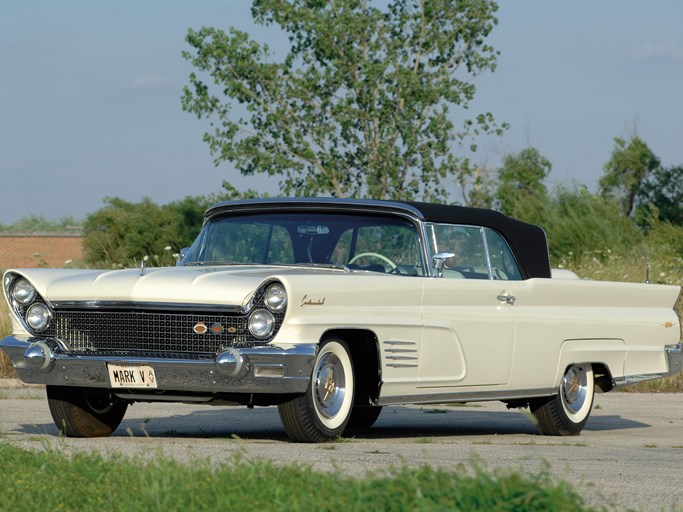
x=439, y=260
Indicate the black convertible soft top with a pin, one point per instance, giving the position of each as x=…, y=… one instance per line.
x=527, y=241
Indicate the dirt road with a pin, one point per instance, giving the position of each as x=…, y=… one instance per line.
x=630, y=454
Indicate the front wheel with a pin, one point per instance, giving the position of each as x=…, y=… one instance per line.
x=566, y=413
x=83, y=412
x=323, y=412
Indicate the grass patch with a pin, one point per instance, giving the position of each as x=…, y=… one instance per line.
x=424, y=440
x=434, y=411
x=86, y=481
x=341, y=439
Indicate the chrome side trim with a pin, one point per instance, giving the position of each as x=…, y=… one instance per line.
x=627, y=380
x=466, y=396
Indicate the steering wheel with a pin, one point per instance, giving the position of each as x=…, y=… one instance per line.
x=394, y=266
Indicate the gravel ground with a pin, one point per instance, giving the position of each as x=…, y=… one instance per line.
x=630, y=454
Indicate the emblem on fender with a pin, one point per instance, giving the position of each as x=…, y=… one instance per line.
x=305, y=301
x=200, y=328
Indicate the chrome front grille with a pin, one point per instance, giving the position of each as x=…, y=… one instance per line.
x=150, y=333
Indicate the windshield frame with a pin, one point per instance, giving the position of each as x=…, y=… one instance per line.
x=310, y=224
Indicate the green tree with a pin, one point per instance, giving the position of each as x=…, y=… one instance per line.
x=123, y=233
x=630, y=165
x=521, y=192
x=580, y=224
x=663, y=190
x=231, y=193
x=361, y=105
x=477, y=186
x=38, y=223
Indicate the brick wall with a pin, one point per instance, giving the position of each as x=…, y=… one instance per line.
x=19, y=250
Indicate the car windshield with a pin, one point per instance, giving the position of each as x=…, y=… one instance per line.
x=364, y=242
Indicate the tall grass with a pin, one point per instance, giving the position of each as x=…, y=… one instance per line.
x=86, y=481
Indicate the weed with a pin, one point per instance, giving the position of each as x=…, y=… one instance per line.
x=117, y=483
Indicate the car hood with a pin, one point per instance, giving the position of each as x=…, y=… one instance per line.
x=231, y=285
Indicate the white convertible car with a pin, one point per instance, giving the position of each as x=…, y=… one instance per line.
x=331, y=309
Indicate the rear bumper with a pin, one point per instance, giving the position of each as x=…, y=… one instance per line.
x=674, y=355
x=258, y=370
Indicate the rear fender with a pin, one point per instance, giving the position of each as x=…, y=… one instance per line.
x=610, y=353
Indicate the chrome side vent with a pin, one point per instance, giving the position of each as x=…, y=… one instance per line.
x=401, y=354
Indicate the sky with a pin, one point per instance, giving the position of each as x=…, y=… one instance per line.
x=90, y=95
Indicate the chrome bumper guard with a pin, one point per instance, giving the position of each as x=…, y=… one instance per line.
x=258, y=370
x=674, y=355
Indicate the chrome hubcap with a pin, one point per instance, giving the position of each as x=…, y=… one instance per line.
x=574, y=388
x=330, y=385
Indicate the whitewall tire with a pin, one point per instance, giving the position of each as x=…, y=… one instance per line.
x=566, y=413
x=324, y=411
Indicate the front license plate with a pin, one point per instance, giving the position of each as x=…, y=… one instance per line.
x=132, y=376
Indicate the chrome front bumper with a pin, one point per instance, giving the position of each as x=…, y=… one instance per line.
x=259, y=370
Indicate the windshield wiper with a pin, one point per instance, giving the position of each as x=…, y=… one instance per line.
x=212, y=263
x=336, y=265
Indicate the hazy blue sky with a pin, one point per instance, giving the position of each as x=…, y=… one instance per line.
x=90, y=95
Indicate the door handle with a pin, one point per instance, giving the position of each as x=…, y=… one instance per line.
x=508, y=299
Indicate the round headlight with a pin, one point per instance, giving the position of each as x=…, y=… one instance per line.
x=38, y=317
x=276, y=297
x=261, y=323
x=23, y=291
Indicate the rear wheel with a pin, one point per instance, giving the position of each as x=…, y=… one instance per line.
x=324, y=411
x=566, y=413
x=84, y=412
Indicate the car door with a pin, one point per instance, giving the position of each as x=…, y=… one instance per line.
x=468, y=317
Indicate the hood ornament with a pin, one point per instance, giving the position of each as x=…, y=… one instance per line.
x=143, y=267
